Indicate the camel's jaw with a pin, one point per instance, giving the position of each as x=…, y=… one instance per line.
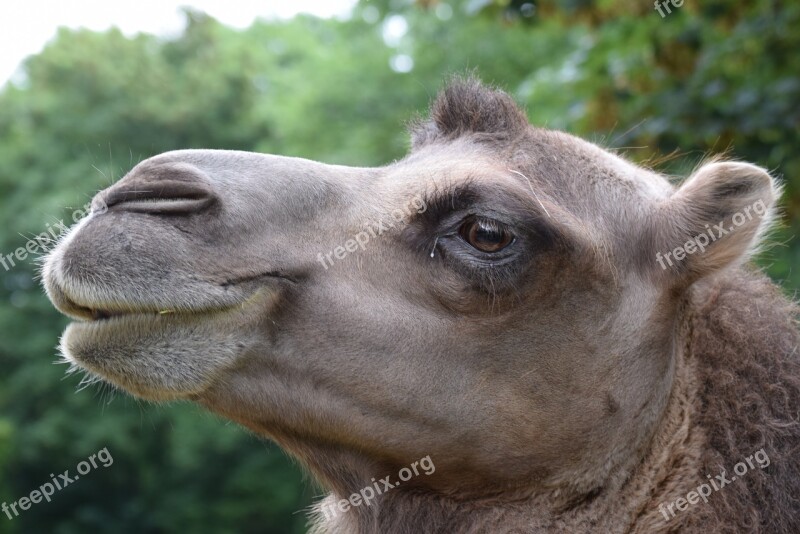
x=164, y=356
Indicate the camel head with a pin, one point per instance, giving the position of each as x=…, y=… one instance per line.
x=505, y=299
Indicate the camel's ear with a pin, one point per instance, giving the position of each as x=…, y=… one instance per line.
x=714, y=220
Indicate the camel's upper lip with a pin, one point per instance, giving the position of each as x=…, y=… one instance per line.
x=116, y=306
x=121, y=308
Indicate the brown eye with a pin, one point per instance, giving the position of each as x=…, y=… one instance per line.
x=486, y=236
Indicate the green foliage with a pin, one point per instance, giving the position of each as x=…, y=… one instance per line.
x=703, y=79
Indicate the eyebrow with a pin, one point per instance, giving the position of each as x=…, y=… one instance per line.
x=456, y=198
x=520, y=209
x=469, y=192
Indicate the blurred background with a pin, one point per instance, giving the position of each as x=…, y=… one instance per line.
x=334, y=81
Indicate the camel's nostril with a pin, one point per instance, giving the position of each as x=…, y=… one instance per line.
x=160, y=197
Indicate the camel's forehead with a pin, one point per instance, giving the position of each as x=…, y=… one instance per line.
x=577, y=175
x=447, y=166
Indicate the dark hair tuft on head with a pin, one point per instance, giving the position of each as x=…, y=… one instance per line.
x=467, y=106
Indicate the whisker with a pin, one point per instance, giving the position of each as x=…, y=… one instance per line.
x=532, y=191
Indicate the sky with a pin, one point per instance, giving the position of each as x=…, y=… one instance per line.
x=26, y=26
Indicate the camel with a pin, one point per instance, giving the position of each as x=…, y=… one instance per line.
x=536, y=335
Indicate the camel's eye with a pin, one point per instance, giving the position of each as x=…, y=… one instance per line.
x=486, y=235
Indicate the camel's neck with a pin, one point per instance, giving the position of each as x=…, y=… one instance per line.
x=628, y=503
x=735, y=391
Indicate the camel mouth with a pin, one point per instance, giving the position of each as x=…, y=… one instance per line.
x=84, y=304
x=118, y=313
x=103, y=322
x=103, y=315
x=109, y=315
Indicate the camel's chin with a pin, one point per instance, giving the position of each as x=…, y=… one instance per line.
x=162, y=356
